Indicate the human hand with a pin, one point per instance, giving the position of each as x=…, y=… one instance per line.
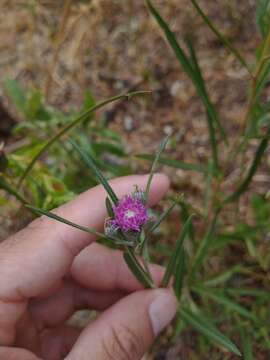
x=49, y=270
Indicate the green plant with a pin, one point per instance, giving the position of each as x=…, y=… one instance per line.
x=57, y=180
x=198, y=290
x=231, y=298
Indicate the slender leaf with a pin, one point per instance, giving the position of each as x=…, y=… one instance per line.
x=174, y=163
x=211, y=111
x=220, y=36
x=161, y=218
x=180, y=270
x=206, y=328
x=70, y=223
x=208, y=193
x=171, y=267
x=247, y=345
x=223, y=277
x=109, y=207
x=204, y=246
x=137, y=270
x=89, y=161
x=192, y=72
x=251, y=172
x=79, y=119
x=154, y=165
x=185, y=213
x=249, y=292
x=221, y=299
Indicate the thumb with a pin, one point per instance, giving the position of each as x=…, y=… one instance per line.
x=127, y=329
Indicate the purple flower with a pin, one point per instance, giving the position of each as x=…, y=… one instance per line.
x=130, y=214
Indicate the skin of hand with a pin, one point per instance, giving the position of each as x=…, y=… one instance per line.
x=49, y=270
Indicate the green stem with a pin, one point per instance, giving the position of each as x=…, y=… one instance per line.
x=137, y=270
x=70, y=126
x=145, y=259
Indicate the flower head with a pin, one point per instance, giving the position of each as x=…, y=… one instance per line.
x=111, y=227
x=130, y=214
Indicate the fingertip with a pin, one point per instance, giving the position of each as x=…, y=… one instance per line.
x=162, y=310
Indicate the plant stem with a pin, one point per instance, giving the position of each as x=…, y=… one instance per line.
x=145, y=259
x=70, y=126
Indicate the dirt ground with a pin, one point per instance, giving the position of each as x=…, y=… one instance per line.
x=113, y=46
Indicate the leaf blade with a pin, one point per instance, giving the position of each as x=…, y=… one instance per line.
x=173, y=163
x=160, y=149
x=136, y=269
x=225, y=301
x=89, y=161
x=208, y=329
x=170, y=269
x=65, y=221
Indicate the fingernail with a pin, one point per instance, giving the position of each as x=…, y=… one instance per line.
x=162, y=310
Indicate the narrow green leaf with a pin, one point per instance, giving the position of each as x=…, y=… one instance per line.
x=137, y=270
x=185, y=213
x=206, y=328
x=89, y=161
x=221, y=299
x=249, y=292
x=211, y=111
x=171, y=267
x=247, y=345
x=204, y=246
x=174, y=163
x=109, y=207
x=70, y=223
x=208, y=193
x=220, y=36
x=180, y=54
x=180, y=270
x=161, y=218
x=251, y=172
x=192, y=72
x=223, y=277
x=79, y=119
x=154, y=165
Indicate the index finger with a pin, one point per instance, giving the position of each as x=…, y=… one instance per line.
x=36, y=259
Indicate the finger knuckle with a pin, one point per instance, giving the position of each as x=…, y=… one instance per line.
x=122, y=343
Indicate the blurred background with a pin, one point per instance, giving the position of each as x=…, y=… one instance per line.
x=60, y=57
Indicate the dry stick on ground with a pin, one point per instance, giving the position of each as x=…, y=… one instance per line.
x=58, y=41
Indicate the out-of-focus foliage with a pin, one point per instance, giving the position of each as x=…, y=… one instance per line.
x=61, y=176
